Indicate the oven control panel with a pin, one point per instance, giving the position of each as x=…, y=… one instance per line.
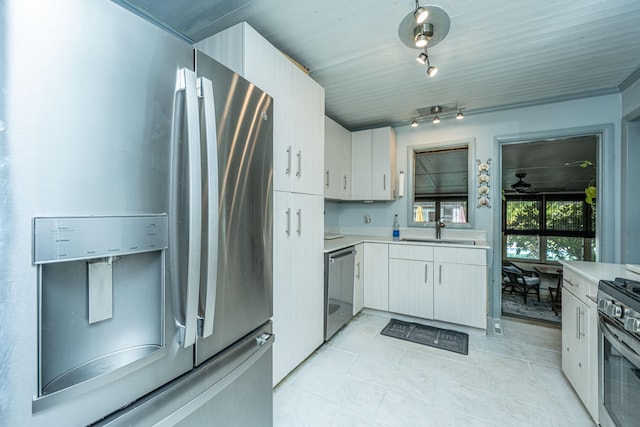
x=617, y=301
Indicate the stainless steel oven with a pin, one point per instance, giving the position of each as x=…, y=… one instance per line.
x=619, y=352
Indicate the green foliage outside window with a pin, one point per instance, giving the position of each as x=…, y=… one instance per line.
x=560, y=232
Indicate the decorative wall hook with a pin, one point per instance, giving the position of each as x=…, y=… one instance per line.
x=483, y=183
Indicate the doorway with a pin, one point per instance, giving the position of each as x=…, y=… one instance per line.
x=549, y=189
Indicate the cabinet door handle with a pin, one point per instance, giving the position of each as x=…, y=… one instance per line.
x=327, y=180
x=579, y=323
x=288, y=230
x=288, y=171
x=426, y=272
x=384, y=181
x=440, y=274
x=358, y=270
x=345, y=182
x=581, y=314
x=299, y=173
x=299, y=213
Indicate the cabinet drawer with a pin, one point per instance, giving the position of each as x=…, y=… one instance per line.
x=413, y=252
x=578, y=284
x=461, y=256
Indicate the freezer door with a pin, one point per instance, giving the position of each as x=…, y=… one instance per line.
x=242, y=254
x=232, y=389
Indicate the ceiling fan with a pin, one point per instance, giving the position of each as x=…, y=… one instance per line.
x=521, y=186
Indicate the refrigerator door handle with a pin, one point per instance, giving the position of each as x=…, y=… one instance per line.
x=194, y=191
x=205, y=87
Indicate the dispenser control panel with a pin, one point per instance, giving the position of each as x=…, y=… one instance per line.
x=58, y=239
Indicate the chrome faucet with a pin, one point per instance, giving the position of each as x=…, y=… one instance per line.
x=439, y=226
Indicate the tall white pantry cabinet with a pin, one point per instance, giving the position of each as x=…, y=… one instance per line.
x=298, y=198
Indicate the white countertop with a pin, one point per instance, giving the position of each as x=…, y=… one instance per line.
x=353, y=239
x=597, y=271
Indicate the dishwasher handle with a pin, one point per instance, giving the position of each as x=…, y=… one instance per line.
x=341, y=255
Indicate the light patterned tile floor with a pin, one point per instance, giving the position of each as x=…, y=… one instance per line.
x=362, y=378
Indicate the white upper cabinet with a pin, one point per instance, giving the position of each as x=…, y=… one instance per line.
x=298, y=132
x=337, y=161
x=307, y=122
x=373, y=164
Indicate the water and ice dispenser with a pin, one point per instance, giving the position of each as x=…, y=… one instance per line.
x=101, y=295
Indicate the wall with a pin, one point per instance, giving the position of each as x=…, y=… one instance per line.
x=631, y=100
x=488, y=129
x=630, y=220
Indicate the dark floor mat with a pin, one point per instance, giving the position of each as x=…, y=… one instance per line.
x=444, y=339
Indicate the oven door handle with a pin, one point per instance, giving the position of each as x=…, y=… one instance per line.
x=620, y=346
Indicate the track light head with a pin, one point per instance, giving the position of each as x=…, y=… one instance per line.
x=422, y=34
x=432, y=70
x=459, y=116
x=422, y=58
x=414, y=123
x=420, y=14
x=436, y=120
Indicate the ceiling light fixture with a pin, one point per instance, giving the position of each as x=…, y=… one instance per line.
x=437, y=113
x=420, y=14
x=521, y=186
x=429, y=31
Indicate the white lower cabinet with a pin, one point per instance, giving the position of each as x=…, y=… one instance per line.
x=575, y=343
x=411, y=280
x=433, y=282
x=358, y=280
x=460, y=286
x=460, y=294
x=580, y=339
x=298, y=286
x=376, y=277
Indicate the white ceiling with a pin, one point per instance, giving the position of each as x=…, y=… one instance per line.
x=498, y=53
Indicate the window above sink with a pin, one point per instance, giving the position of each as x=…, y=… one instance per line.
x=441, y=184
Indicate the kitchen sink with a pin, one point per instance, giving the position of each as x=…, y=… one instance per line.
x=440, y=241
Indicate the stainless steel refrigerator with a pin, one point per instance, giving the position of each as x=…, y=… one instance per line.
x=135, y=232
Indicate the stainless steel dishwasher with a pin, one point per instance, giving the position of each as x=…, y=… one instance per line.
x=338, y=289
